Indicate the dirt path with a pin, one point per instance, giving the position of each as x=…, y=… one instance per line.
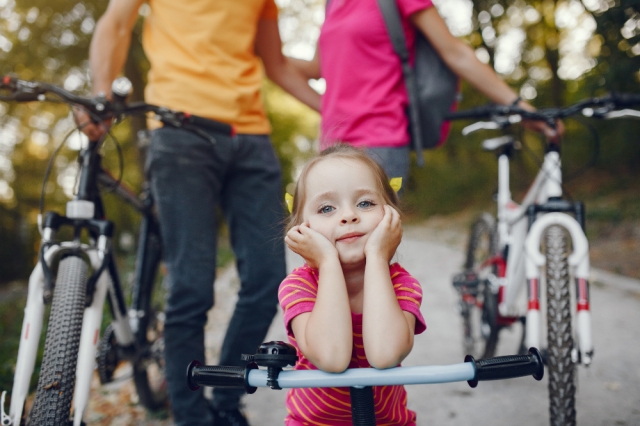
x=608, y=390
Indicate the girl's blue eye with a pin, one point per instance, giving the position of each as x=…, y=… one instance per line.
x=365, y=204
x=326, y=209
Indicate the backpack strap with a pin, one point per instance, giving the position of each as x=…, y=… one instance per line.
x=393, y=22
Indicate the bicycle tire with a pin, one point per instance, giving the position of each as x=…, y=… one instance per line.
x=52, y=404
x=149, y=371
x=480, y=317
x=560, y=366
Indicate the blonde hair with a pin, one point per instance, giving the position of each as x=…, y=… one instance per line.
x=346, y=152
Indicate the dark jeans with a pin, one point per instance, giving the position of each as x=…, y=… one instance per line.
x=394, y=161
x=190, y=177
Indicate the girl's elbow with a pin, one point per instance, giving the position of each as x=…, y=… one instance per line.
x=332, y=364
x=331, y=360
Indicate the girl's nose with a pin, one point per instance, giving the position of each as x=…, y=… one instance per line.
x=349, y=217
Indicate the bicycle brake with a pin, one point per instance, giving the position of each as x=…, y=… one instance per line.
x=5, y=419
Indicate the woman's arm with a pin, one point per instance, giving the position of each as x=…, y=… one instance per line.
x=281, y=69
x=462, y=60
x=310, y=69
x=387, y=330
x=325, y=334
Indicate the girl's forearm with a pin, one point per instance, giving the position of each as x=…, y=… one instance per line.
x=328, y=332
x=387, y=335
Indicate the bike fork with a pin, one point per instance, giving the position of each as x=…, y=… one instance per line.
x=30, y=338
x=579, y=260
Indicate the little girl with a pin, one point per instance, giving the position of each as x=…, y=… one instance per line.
x=347, y=307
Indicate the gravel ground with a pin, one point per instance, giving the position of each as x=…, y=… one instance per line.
x=116, y=404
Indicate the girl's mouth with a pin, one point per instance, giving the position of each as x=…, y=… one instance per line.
x=348, y=238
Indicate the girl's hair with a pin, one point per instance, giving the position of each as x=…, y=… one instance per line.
x=346, y=152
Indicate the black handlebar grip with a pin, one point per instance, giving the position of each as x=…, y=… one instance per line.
x=507, y=367
x=626, y=99
x=219, y=376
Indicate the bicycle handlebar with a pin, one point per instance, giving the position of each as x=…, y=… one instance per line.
x=472, y=371
x=505, y=115
x=100, y=108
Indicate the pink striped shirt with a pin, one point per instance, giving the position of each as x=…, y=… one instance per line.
x=332, y=406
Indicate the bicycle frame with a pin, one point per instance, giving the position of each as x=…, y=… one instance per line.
x=520, y=230
x=83, y=213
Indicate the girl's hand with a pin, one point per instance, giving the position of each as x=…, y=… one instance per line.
x=385, y=239
x=314, y=247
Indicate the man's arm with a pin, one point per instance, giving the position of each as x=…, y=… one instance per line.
x=279, y=68
x=107, y=55
x=110, y=43
x=310, y=69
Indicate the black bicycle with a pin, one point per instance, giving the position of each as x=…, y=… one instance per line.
x=75, y=277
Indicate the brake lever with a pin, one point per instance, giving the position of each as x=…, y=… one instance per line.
x=480, y=125
x=623, y=113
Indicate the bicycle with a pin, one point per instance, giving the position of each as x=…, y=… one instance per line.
x=277, y=355
x=76, y=278
x=504, y=252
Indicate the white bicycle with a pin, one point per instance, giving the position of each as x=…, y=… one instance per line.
x=508, y=252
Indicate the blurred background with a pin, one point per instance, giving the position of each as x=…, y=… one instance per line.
x=553, y=52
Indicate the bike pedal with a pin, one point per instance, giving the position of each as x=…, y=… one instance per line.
x=466, y=280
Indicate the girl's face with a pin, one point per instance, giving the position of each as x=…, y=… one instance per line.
x=344, y=204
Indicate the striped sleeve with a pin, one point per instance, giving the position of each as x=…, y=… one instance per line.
x=297, y=294
x=409, y=294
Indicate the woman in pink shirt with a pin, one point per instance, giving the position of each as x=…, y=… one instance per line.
x=365, y=100
x=347, y=307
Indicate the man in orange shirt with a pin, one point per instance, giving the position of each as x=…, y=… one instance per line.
x=205, y=59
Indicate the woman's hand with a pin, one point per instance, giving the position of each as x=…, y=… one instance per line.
x=385, y=239
x=314, y=247
x=540, y=126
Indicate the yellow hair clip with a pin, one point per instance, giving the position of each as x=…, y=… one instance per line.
x=396, y=183
x=288, y=199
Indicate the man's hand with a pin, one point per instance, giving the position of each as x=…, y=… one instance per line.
x=314, y=247
x=385, y=239
x=94, y=131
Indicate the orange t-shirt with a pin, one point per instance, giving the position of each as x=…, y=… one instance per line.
x=203, y=60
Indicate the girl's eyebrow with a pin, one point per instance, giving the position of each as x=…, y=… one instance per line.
x=359, y=192
x=322, y=195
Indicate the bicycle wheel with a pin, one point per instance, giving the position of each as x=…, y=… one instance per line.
x=52, y=405
x=479, y=303
x=149, y=370
x=561, y=368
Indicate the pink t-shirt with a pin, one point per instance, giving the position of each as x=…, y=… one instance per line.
x=332, y=406
x=366, y=98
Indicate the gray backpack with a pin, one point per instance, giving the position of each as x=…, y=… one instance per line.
x=432, y=87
